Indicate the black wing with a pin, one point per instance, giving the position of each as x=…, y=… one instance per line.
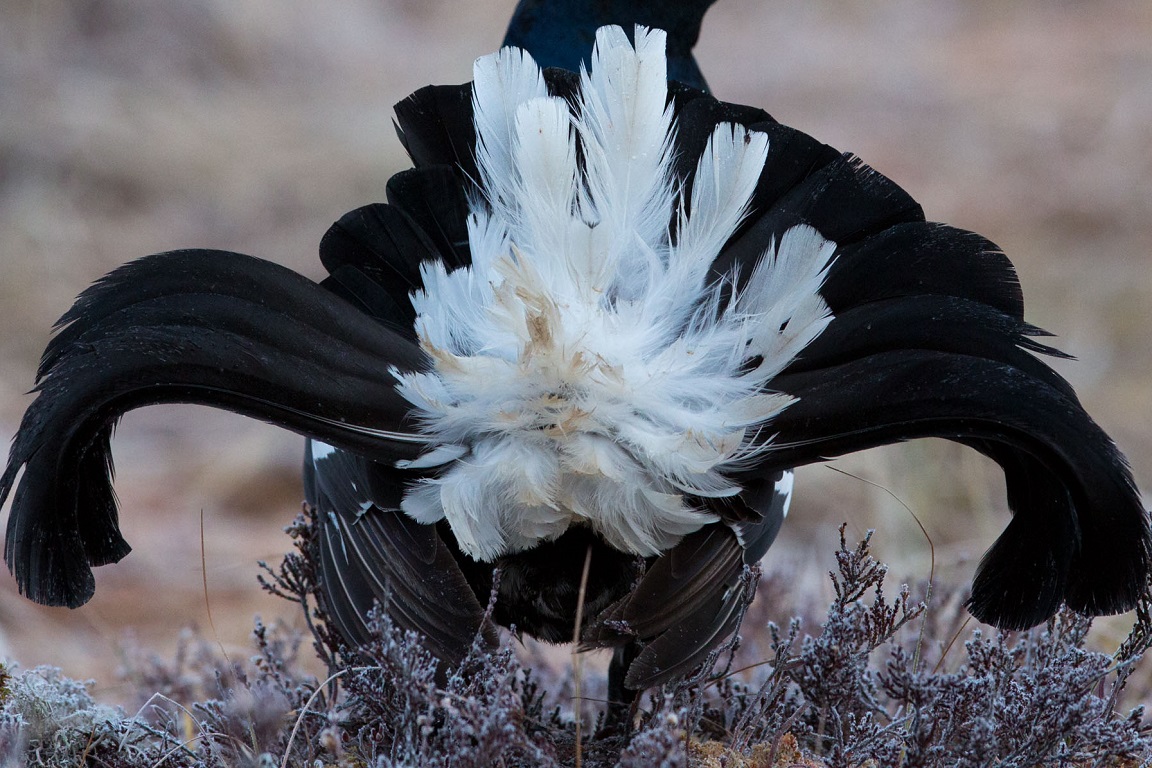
x=689, y=599
x=372, y=553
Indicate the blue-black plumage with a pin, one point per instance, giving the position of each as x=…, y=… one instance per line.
x=560, y=33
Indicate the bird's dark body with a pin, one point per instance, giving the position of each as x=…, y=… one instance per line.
x=926, y=339
x=560, y=33
x=540, y=588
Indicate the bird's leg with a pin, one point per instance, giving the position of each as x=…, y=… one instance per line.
x=622, y=701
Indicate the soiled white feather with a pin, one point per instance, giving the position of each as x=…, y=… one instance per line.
x=584, y=372
x=783, y=296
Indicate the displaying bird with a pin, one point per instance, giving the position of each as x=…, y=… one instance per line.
x=584, y=342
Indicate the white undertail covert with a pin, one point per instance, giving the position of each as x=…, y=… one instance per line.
x=587, y=370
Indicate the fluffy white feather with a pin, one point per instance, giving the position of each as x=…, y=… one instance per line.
x=585, y=372
x=501, y=82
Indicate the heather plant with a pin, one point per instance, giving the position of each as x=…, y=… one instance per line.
x=880, y=680
x=862, y=691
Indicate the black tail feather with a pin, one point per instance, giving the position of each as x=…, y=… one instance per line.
x=1023, y=578
x=1080, y=532
x=202, y=327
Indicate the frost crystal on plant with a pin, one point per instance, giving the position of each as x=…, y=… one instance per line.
x=588, y=367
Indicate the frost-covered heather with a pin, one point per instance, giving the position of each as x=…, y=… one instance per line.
x=879, y=683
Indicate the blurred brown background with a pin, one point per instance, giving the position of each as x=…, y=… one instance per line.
x=129, y=128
